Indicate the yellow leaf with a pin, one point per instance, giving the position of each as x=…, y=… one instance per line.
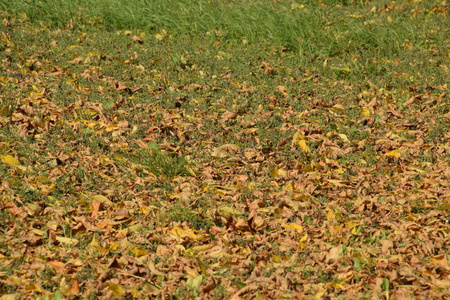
x=202, y=247
x=38, y=231
x=416, y=170
x=194, y=282
x=33, y=287
x=276, y=259
x=201, y=265
x=282, y=172
x=138, y=251
x=339, y=107
x=304, y=146
x=336, y=285
x=365, y=112
x=116, y=289
x=330, y=215
x=393, y=136
x=294, y=226
x=33, y=209
x=394, y=153
x=339, y=171
x=298, y=136
x=73, y=47
x=102, y=199
x=135, y=228
x=135, y=293
x=288, y=187
x=365, y=93
x=389, y=19
x=183, y=232
x=313, y=166
x=94, y=244
x=344, y=138
x=192, y=172
x=351, y=224
x=226, y=210
x=319, y=294
x=5, y=111
x=10, y=160
x=302, y=242
x=10, y=297
x=67, y=241
x=296, y=5
x=277, y=171
x=36, y=94
x=161, y=216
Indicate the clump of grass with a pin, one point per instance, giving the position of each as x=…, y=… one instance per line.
x=165, y=164
x=184, y=214
x=8, y=103
x=7, y=107
x=160, y=163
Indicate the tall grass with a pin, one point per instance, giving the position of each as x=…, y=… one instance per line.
x=301, y=26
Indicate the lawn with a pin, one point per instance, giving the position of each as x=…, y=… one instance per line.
x=260, y=149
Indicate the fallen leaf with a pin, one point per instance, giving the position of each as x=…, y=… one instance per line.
x=10, y=160
x=15, y=296
x=117, y=289
x=344, y=138
x=67, y=241
x=365, y=112
x=102, y=199
x=440, y=260
x=194, y=282
x=394, y=153
x=333, y=255
x=242, y=225
x=282, y=90
x=304, y=146
x=297, y=227
x=386, y=245
x=202, y=247
x=227, y=211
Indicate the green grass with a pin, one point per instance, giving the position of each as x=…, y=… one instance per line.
x=133, y=101
x=303, y=26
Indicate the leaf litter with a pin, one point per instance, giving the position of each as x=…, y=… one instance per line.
x=123, y=197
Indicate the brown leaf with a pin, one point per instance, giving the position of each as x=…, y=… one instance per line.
x=58, y=266
x=227, y=116
x=267, y=68
x=386, y=245
x=138, y=39
x=242, y=225
x=209, y=286
x=440, y=260
x=120, y=86
x=333, y=255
